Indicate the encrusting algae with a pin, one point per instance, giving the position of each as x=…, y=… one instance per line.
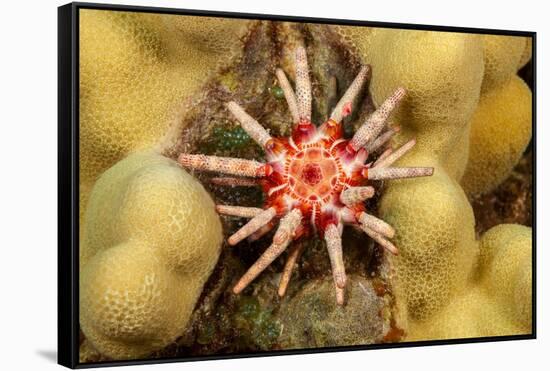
x=154, y=86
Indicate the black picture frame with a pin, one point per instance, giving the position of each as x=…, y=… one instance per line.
x=68, y=179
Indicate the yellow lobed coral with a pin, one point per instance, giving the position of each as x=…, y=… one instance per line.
x=152, y=238
x=137, y=72
x=505, y=271
x=503, y=56
x=527, y=53
x=442, y=72
x=435, y=236
x=432, y=217
x=501, y=125
x=497, y=300
x=471, y=117
x=501, y=129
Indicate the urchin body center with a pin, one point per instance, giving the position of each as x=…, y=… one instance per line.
x=312, y=174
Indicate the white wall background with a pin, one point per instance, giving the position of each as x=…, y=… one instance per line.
x=28, y=181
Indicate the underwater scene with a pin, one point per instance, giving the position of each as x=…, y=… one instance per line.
x=256, y=185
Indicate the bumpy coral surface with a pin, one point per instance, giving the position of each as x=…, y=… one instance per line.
x=501, y=125
x=152, y=237
x=497, y=300
x=507, y=107
x=315, y=180
x=137, y=71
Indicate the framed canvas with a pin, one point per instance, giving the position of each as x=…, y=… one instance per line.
x=236, y=185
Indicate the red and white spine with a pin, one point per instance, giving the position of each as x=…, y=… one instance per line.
x=285, y=233
x=303, y=85
x=226, y=165
x=344, y=106
x=252, y=226
x=376, y=122
x=252, y=127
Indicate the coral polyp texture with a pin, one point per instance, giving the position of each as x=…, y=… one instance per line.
x=139, y=248
x=315, y=181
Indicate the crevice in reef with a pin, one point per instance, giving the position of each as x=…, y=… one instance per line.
x=510, y=202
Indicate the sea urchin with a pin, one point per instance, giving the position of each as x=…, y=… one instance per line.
x=314, y=180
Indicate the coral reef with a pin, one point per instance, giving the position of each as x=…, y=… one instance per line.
x=161, y=84
x=464, y=101
x=151, y=240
